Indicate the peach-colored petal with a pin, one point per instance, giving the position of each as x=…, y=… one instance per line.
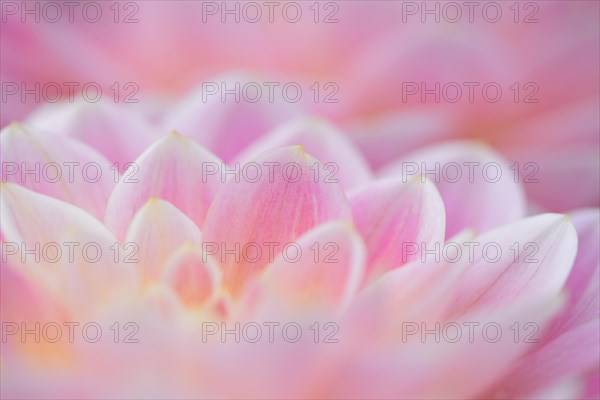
x=193, y=276
x=472, y=180
x=326, y=273
x=397, y=219
x=157, y=230
x=321, y=139
x=30, y=316
x=62, y=168
x=256, y=214
x=175, y=169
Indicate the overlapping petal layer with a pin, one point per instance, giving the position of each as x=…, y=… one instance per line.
x=384, y=281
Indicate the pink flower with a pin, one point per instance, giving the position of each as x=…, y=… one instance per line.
x=289, y=272
x=392, y=232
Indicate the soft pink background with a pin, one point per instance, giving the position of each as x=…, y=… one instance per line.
x=369, y=52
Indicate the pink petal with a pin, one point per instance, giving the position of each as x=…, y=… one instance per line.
x=592, y=385
x=325, y=275
x=516, y=262
x=157, y=230
x=400, y=292
x=175, y=169
x=570, y=355
x=118, y=132
x=192, y=275
x=468, y=359
x=323, y=141
x=386, y=138
x=276, y=203
x=433, y=362
x=22, y=299
x=26, y=308
x=561, y=146
x=381, y=69
x=392, y=216
x=66, y=169
x=465, y=173
x=223, y=123
x=567, y=334
x=583, y=283
x=64, y=248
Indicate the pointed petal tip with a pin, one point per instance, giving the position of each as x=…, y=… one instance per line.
x=481, y=144
x=296, y=150
x=190, y=246
x=299, y=148
x=174, y=134
x=342, y=224
x=16, y=128
x=421, y=178
x=153, y=202
x=11, y=187
x=15, y=125
x=152, y=206
x=421, y=181
x=558, y=218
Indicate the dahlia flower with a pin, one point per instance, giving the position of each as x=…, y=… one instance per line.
x=174, y=258
x=386, y=230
